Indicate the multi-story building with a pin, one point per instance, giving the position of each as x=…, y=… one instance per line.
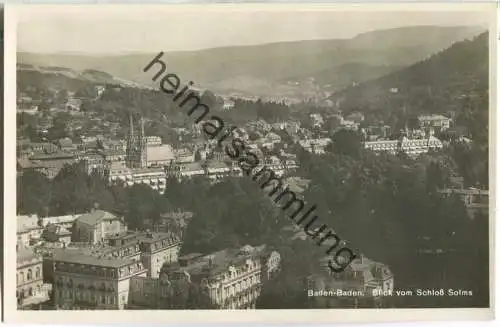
x=29, y=276
x=95, y=162
x=63, y=221
x=228, y=104
x=184, y=155
x=96, y=227
x=159, y=155
x=412, y=147
x=84, y=281
x=29, y=230
x=51, y=164
x=216, y=170
x=153, y=140
x=187, y=170
x=114, y=157
x=316, y=146
x=158, y=249
x=154, y=177
x=231, y=277
x=438, y=122
x=364, y=281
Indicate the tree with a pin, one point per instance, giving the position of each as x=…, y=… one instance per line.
x=71, y=191
x=413, y=123
x=33, y=192
x=346, y=142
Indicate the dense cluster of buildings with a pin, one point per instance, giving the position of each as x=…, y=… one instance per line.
x=232, y=278
x=105, y=266
x=93, y=261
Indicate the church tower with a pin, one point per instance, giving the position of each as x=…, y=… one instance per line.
x=136, y=155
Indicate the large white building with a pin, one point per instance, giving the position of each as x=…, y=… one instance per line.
x=316, y=146
x=84, y=281
x=439, y=122
x=412, y=147
x=156, y=178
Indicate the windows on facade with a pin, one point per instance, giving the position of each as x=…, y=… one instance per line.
x=37, y=273
x=30, y=275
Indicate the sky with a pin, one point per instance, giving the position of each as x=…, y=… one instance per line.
x=118, y=29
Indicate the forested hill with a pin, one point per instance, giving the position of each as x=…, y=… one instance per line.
x=249, y=68
x=435, y=85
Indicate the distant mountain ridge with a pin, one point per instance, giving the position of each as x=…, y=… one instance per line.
x=278, y=63
x=438, y=84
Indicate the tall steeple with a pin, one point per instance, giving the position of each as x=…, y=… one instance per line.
x=143, y=136
x=131, y=129
x=136, y=156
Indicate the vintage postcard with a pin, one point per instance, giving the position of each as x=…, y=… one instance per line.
x=241, y=160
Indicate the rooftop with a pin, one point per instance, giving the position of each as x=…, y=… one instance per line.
x=87, y=259
x=154, y=237
x=214, y=263
x=54, y=156
x=95, y=217
x=25, y=254
x=191, y=166
x=26, y=223
x=160, y=153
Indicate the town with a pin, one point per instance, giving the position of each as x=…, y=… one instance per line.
x=123, y=203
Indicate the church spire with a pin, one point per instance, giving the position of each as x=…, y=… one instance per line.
x=142, y=128
x=131, y=130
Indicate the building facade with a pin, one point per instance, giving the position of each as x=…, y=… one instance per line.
x=412, y=147
x=363, y=283
x=29, y=281
x=232, y=278
x=96, y=227
x=87, y=282
x=158, y=249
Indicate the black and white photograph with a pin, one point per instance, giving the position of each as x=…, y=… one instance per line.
x=238, y=158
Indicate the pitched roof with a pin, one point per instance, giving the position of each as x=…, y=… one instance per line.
x=95, y=217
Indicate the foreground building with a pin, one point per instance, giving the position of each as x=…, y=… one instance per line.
x=158, y=249
x=363, y=283
x=84, y=281
x=29, y=276
x=232, y=278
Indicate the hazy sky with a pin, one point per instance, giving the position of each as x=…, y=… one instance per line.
x=150, y=28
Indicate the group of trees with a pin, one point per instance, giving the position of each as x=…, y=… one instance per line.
x=232, y=213
x=74, y=191
x=388, y=207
